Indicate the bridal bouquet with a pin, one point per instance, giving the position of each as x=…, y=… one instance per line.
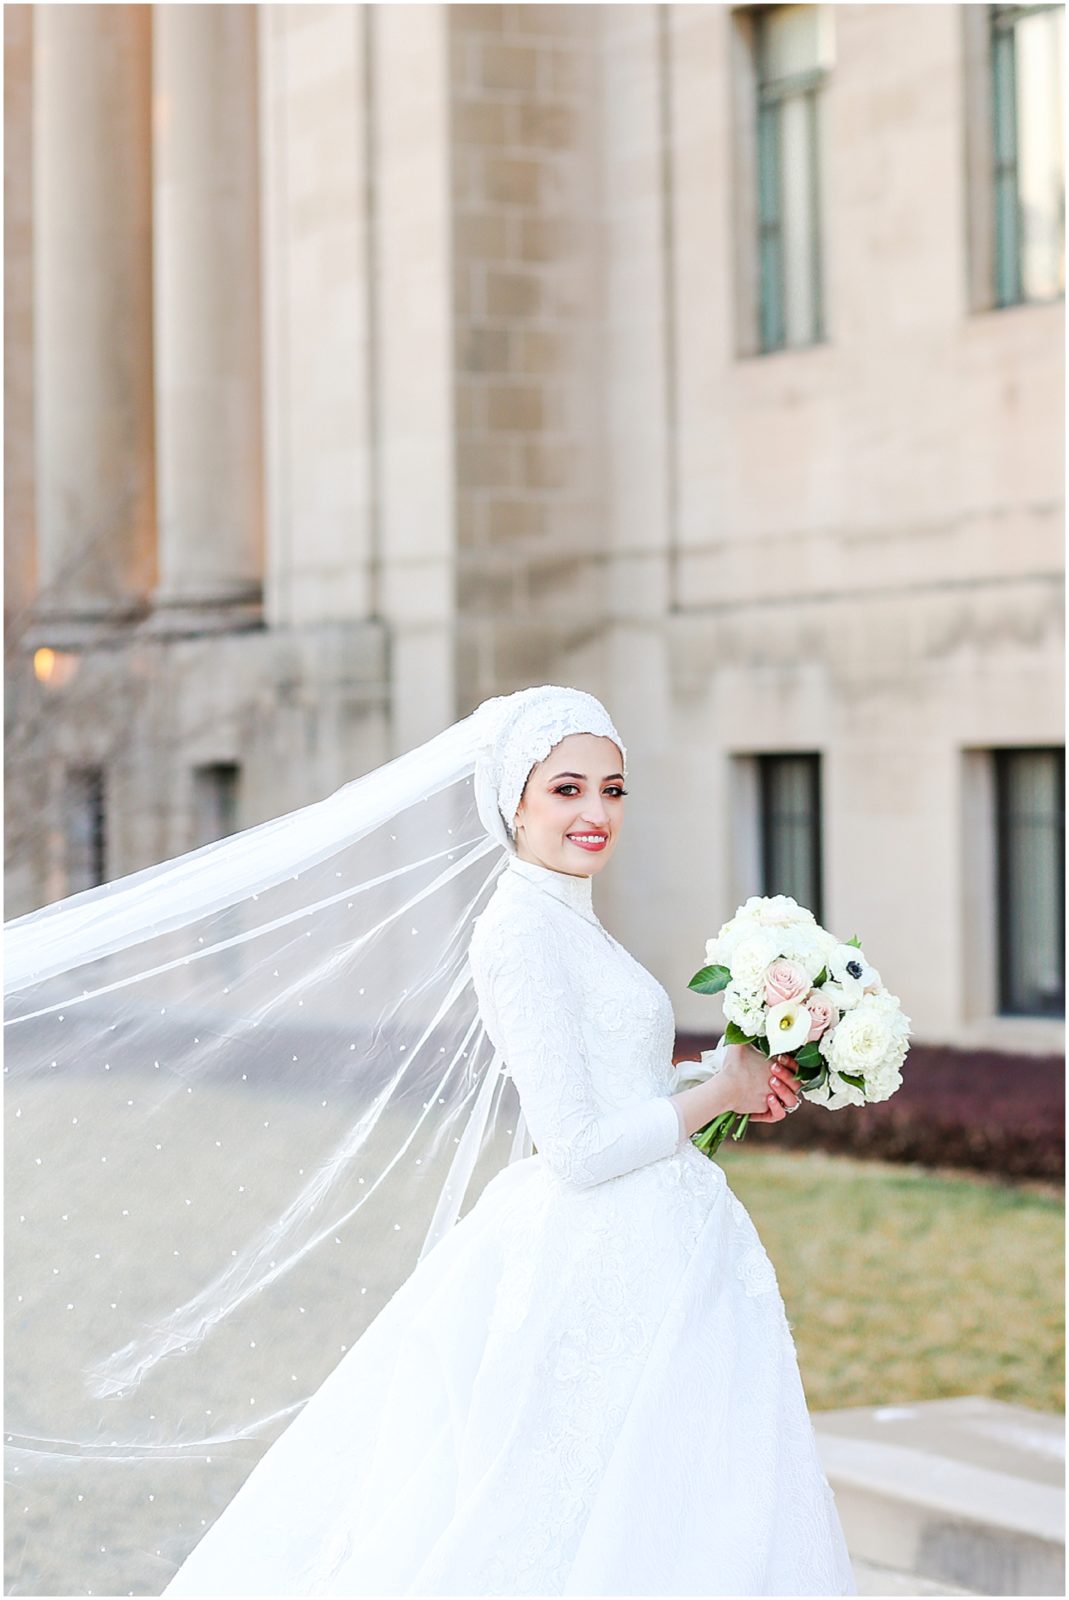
x=792, y=988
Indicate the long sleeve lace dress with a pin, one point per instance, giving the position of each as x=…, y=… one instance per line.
x=589, y=1386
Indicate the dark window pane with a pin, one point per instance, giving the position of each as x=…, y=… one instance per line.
x=215, y=800
x=790, y=828
x=1030, y=837
x=84, y=827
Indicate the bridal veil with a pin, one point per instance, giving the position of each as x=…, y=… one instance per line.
x=247, y=1091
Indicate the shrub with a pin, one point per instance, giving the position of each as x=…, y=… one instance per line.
x=980, y=1109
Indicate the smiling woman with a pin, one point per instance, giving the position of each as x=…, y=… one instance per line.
x=572, y=801
x=252, y=1083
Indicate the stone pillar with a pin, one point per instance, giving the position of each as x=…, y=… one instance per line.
x=319, y=317
x=207, y=315
x=409, y=51
x=20, y=544
x=93, y=309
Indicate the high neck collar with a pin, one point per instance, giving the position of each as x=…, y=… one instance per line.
x=564, y=886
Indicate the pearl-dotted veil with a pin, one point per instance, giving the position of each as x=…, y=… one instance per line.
x=247, y=1090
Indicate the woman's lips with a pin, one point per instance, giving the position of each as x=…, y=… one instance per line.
x=589, y=841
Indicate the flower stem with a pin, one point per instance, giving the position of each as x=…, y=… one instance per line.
x=709, y=1139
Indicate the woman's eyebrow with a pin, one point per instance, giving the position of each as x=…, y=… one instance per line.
x=583, y=776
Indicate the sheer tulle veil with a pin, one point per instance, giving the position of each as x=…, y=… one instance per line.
x=247, y=1090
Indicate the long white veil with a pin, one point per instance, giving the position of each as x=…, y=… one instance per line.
x=247, y=1090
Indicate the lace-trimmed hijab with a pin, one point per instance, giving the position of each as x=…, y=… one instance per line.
x=248, y=1089
x=529, y=725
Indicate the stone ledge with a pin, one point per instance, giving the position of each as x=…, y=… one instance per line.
x=964, y=1492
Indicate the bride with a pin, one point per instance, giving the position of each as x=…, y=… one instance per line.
x=588, y=1384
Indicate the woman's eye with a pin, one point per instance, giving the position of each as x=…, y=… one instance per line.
x=614, y=789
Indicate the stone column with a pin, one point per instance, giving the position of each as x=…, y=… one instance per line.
x=93, y=309
x=20, y=544
x=409, y=47
x=207, y=316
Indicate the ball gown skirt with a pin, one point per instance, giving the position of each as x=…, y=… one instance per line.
x=588, y=1386
x=585, y=1391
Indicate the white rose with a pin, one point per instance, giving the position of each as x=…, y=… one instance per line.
x=882, y=1083
x=890, y=1006
x=869, y=1041
x=776, y=911
x=834, y=1093
x=720, y=949
x=752, y=958
x=808, y=946
x=745, y=1008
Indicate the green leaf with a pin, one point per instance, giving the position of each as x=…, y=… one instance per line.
x=809, y=1055
x=821, y=977
x=734, y=1035
x=819, y=1081
x=855, y=941
x=854, y=1078
x=710, y=980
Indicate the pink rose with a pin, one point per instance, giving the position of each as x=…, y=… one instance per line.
x=825, y=1014
x=786, y=980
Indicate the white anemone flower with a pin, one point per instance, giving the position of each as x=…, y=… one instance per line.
x=851, y=971
x=844, y=999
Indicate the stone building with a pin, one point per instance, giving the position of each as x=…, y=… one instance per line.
x=363, y=361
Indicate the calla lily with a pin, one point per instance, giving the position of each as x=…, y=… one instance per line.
x=787, y=1026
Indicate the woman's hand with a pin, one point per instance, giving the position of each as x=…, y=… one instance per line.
x=765, y=1088
x=746, y=1079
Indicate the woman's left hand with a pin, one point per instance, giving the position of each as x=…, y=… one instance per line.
x=784, y=1094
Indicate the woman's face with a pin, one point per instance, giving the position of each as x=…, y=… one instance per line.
x=572, y=807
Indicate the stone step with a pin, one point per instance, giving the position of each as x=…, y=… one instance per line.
x=875, y=1580
x=966, y=1493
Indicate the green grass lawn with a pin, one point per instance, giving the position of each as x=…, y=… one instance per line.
x=906, y=1283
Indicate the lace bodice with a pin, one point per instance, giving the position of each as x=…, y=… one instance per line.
x=585, y=1031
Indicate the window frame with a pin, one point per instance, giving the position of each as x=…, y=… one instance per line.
x=766, y=761
x=222, y=779
x=1002, y=759
x=769, y=96
x=992, y=284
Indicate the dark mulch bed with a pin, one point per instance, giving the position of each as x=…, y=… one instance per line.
x=981, y=1109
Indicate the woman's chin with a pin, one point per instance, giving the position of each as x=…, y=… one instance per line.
x=581, y=858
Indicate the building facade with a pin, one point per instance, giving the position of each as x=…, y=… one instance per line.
x=364, y=361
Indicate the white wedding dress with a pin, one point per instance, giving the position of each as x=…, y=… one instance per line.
x=589, y=1386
